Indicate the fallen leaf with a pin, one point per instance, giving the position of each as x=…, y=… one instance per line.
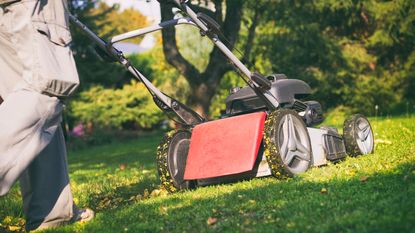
x=155, y=193
x=14, y=228
x=211, y=221
x=364, y=178
x=146, y=193
x=123, y=166
x=163, y=192
x=7, y=219
x=163, y=210
x=383, y=141
x=247, y=222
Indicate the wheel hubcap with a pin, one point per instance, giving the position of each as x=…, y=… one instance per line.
x=293, y=143
x=364, y=136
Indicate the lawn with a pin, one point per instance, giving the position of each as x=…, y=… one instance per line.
x=373, y=193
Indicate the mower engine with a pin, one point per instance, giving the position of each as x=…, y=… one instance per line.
x=311, y=111
x=288, y=93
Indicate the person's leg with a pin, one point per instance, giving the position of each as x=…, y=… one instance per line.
x=47, y=197
x=28, y=119
x=29, y=122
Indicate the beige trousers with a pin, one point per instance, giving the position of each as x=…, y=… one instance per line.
x=32, y=146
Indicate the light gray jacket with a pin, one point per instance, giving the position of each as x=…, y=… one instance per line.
x=51, y=18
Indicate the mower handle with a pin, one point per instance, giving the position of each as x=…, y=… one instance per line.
x=170, y=106
x=258, y=83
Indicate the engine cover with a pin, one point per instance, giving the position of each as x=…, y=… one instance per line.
x=245, y=100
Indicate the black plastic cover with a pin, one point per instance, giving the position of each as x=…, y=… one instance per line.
x=333, y=145
x=284, y=90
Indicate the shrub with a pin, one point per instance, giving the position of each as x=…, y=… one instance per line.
x=130, y=107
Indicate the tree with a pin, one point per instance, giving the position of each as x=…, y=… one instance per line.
x=106, y=21
x=203, y=84
x=116, y=22
x=108, y=98
x=356, y=53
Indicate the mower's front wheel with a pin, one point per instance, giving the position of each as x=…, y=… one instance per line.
x=358, y=135
x=287, y=144
x=171, y=160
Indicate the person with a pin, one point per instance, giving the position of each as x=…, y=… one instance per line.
x=37, y=72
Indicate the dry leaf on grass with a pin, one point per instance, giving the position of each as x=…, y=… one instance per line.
x=383, y=141
x=364, y=178
x=146, y=194
x=123, y=166
x=15, y=228
x=211, y=221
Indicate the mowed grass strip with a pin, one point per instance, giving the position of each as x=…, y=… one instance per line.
x=373, y=193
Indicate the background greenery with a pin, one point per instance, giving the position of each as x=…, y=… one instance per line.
x=354, y=54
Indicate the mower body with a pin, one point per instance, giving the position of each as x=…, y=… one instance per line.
x=231, y=148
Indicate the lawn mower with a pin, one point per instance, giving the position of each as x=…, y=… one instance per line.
x=266, y=130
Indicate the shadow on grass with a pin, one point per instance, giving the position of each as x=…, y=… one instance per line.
x=384, y=202
x=114, y=175
x=140, y=150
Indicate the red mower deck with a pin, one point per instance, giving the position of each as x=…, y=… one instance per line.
x=216, y=146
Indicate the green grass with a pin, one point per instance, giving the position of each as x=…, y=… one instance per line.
x=373, y=193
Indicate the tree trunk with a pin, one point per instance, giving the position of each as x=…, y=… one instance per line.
x=200, y=99
x=203, y=84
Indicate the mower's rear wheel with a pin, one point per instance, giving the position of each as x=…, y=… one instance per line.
x=358, y=135
x=171, y=160
x=287, y=144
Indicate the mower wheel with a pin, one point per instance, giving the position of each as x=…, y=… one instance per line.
x=358, y=135
x=287, y=145
x=171, y=160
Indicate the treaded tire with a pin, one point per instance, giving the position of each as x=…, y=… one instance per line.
x=271, y=148
x=165, y=152
x=350, y=135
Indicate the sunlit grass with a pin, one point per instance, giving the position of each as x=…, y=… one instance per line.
x=373, y=193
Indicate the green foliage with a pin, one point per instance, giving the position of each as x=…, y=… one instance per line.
x=372, y=193
x=117, y=22
x=194, y=48
x=336, y=116
x=163, y=76
x=105, y=21
x=357, y=54
x=130, y=106
x=354, y=53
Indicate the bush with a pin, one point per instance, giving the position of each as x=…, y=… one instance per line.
x=130, y=107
